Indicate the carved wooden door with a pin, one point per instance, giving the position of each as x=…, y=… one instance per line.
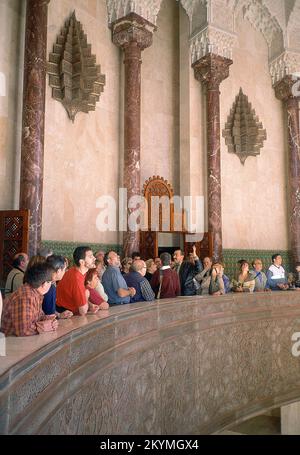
x=14, y=226
x=149, y=244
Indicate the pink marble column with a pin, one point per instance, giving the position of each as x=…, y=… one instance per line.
x=133, y=34
x=211, y=70
x=32, y=154
x=286, y=90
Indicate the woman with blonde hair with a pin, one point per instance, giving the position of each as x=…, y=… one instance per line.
x=126, y=264
x=151, y=268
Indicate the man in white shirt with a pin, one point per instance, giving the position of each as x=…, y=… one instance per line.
x=276, y=276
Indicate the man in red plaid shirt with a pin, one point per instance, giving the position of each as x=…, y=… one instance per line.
x=22, y=311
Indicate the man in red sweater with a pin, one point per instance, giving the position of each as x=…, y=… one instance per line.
x=165, y=281
x=70, y=292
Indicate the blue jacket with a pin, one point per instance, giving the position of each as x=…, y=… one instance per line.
x=133, y=280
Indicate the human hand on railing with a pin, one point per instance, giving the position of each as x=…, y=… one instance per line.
x=48, y=325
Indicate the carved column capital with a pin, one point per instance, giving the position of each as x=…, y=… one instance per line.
x=212, y=70
x=288, y=88
x=132, y=29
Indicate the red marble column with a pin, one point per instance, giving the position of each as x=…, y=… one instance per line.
x=32, y=152
x=286, y=91
x=133, y=34
x=211, y=70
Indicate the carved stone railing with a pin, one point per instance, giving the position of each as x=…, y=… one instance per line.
x=190, y=365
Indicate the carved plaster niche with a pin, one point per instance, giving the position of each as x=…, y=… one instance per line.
x=244, y=134
x=75, y=78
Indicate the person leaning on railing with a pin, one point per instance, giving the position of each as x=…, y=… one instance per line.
x=245, y=281
x=276, y=275
x=22, y=312
x=259, y=276
x=219, y=282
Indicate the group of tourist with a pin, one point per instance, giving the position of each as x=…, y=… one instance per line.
x=42, y=290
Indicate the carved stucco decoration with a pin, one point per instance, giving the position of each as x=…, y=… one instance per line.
x=212, y=40
x=287, y=63
x=244, y=134
x=148, y=9
x=75, y=78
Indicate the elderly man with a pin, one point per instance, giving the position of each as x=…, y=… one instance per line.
x=259, y=276
x=136, y=279
x=204, y=277
x=165, y=281
x=15, y=277
x=276, y=276
x=187, y=270
x=113, y=282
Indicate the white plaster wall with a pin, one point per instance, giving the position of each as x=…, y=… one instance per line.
x=192, y=124
x=160, y=99
x=11, y=52
x=254, y=199
x=82, y=158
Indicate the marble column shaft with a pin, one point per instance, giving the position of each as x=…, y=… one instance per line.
x=133, y=34
x=286, y=91
x=32, y=151
x=211, y=70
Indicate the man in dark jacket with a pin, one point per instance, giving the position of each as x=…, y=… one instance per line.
x=136, y=279
x=187, y=270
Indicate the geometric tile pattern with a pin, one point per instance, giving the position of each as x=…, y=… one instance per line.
x=66, y=248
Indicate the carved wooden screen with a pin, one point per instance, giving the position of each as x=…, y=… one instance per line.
x=155, y=186
x=159, y=187
x=14, y=225
x=149, y=244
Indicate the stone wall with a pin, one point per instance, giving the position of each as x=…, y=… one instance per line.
x=84, y=160
x=11, y=80
x=81, y=158
x=160, y=99
x=254, y=197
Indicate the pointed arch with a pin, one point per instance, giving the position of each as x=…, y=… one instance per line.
x=262, y=20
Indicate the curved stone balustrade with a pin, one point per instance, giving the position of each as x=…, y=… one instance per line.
x=190, y=365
